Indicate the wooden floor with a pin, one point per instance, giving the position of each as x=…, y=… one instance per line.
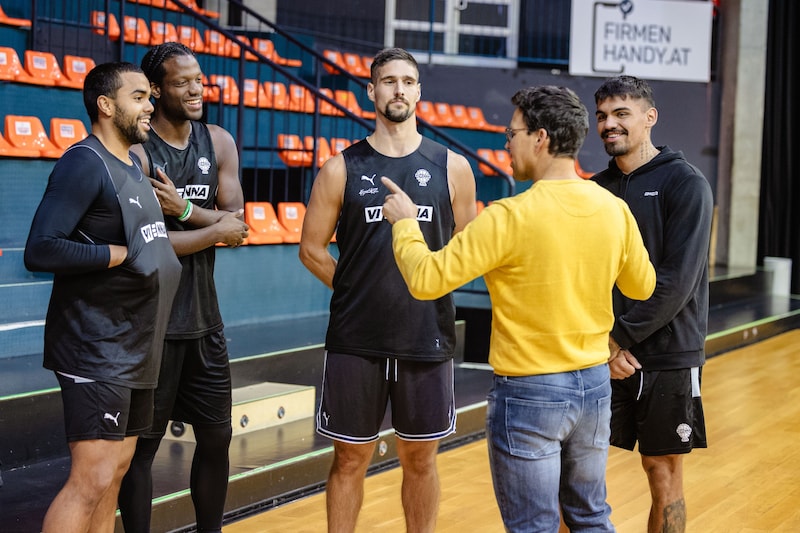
x=747, y=481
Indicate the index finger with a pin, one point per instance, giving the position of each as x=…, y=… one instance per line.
x=392, y=186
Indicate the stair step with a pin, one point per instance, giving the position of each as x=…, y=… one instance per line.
x=257, y=407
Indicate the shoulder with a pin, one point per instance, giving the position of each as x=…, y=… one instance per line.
x=219, y=136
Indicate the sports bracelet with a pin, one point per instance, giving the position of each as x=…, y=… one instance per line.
x=186, y=212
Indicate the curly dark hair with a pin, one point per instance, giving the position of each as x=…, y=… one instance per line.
x=560, y=112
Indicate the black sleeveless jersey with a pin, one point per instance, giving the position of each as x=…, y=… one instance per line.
x=108, y=324
x=193, y=169
x=372, y=312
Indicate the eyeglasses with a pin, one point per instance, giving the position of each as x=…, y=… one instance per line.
x=510, y=132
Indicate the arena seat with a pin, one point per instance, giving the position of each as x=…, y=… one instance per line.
x=292, y=151
x=10, y=65
x=322, y=146
x=266, y=48
x=27, y=132
x=460, y=116
x=290, y=216
x=503, y=161
x=355, y=65
x=136, y=31
x=488, y=155
x=325, y=107
x=338, y=144
x=277, y=95
x=215, y=43
x=75, y=69
x=301, y=99
x=227, y=87
x=41, y=68
x=426, y=111
x=64, y=132
x=263, y=222
x=254, y=94
x=444, y=116
x=190, y=37
x=7, y=150
x=105, y=25
x=349, y=101
x=13, y=21
x=479, y=206
x=479, y=121
x=162, y=32
x=582, y=173
x=335, y=57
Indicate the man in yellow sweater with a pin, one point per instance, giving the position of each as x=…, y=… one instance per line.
x=550, y=257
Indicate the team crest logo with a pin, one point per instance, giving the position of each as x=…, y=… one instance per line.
x=204, y=165
x=684, y=432
x=423, y=177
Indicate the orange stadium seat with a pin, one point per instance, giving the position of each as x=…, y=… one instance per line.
x=479, y=206
x=426, y=111
x=292, y=151
x=503, y=161
x=460, y=116
x=7, y=150
x=41, y=68
x=582, y=173
x=323, y=148
x=263, y=222
x=215, y=43
x=27, y=132
x=227, y=85
x=75, y=70
x=300, y=99
x=355, y=65
x=338, y=144
x=254, y=95
x=488, y=155
x=277, y=95
x=162, y=32
x=335, y=57
x=291, y=215
x=136, y=31
x=444, y=116
x=266, y=48
x=13, y=21
x=105, y=25
x=325, y=107
x=10, y=66
x=64, y=132
x=478, y=121
x=348, y=100
x=190, y=36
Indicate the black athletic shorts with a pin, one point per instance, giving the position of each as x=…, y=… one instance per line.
x=356, y=391
x=95, y=410
x=661, y=409
x=194, y=384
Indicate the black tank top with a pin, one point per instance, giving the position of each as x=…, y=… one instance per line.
x=372, y=312
x=109, y=325
x=193, y=169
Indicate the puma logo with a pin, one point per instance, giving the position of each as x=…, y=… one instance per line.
x=367, y=178
x=132, y=201
x=109, y=416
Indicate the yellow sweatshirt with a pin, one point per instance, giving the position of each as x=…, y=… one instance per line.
x=550, y=257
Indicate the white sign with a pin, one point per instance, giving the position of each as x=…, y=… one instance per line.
x=651, y=39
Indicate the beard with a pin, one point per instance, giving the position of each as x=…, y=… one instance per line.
x=129, y=128
x=397, y=115
x=616, y=148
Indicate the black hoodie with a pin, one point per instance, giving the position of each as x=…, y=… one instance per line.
x=673, y=205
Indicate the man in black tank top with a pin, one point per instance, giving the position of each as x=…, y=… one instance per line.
x=100, y=230
x=194, y=168
x=382, y=344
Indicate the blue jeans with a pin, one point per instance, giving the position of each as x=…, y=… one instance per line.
x=548, y=439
